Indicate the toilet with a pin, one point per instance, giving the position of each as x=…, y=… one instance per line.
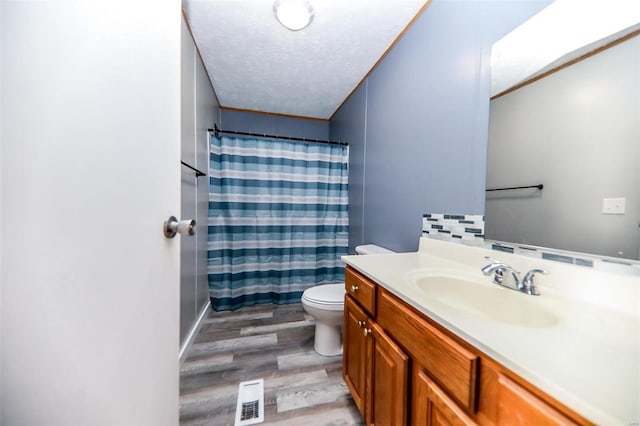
x=325, y=303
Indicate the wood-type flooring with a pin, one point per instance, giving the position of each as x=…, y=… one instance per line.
x=273, y=342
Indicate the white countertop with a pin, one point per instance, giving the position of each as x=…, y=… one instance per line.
x=589, y=359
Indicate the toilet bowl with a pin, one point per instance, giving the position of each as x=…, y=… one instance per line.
x=325, y=303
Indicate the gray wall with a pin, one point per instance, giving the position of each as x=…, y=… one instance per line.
x=576, y=131
x=349, y=125
x=199, y=112
x=273, y=124
x=418, y=125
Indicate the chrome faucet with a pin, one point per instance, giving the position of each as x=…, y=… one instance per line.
x=528, y=286
x=510, y=280
x=508, y=277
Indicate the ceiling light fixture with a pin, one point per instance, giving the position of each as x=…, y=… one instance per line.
x=293, y=14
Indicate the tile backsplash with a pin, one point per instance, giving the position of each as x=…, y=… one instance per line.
x=467, y=228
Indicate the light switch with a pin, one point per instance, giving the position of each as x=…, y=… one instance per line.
x=613, y=205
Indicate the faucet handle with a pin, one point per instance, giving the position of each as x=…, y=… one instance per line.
x=528, y=283
x=531, y=273
x=494, y=266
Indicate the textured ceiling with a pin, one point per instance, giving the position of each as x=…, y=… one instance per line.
x=256, y=64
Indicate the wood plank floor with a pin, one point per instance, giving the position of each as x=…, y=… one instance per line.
x=273, y=342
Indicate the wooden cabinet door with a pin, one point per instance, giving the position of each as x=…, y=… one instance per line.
x=390, y=369
x=356, y=356
x=432, y=407
x=518, y=406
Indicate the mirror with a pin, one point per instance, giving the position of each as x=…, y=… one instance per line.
x=571, y=124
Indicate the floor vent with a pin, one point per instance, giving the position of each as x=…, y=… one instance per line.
x=250, y=407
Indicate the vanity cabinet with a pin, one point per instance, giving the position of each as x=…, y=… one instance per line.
x=362, y=290
x=448, y=363
x=431, y=406
x=375, y=369
x=356, y=355
x=387, y=341
x=389, y=380
x=518, y=406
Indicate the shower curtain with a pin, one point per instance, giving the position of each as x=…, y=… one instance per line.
x=278, y=219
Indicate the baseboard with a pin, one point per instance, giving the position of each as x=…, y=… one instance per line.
x=193, y=333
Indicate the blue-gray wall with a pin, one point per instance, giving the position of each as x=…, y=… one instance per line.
x=273, y=124
x=349, y=125
x=418, y=126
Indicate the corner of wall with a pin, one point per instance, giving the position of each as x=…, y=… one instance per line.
x=200, y=110
x=365, y=115
x=199, y=56
x=184, y=346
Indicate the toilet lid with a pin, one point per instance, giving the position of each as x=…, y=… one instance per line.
x=328, y=294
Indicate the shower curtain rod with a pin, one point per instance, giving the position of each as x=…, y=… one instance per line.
x=217, y=131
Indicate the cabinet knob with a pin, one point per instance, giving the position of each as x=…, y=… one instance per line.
x=361, y=323
x=354, y=288
x=366, y=332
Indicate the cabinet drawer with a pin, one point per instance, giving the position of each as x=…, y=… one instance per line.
x=447, y=362
x=361, y=289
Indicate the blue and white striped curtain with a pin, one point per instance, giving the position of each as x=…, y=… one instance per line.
x=278, y=219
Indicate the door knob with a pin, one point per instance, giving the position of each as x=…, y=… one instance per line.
x=361, y=323
x=354, y=288
x=172, y=226
x=366, y=332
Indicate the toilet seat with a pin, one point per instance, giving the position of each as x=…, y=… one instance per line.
x=327, y=296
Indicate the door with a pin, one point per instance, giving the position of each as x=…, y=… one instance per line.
x=90, y=160
x=432, y=407
x=390, y=369
x=356, y=357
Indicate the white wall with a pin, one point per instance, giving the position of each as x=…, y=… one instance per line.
x=576, y=131
x=90, y=104
x=199, y=112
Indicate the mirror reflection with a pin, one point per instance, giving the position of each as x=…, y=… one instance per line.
x=577, y=132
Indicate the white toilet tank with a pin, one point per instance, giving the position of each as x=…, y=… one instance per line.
x=372, y=249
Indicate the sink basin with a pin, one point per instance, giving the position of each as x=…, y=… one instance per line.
x=487, y=300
